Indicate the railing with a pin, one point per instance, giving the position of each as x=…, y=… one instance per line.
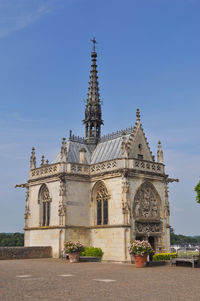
x=148, y=166
x=104, y=138
x=78, y=168
x=117, y=134
x=84, y=169
x=77, y=139
x=45, y=170
x=105, y=166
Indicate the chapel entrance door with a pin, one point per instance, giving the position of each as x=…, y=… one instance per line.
x=139, y=238
x=152, y=242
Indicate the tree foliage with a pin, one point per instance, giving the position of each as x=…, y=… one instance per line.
x=179, y=239
x=197, y=189
x=11, y=239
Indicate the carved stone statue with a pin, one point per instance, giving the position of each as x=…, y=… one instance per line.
x=146, y=203
x=62, y=210
x=147, y=227
x=27, y=209
x=62, y=203
x=45, y=194
x=125, y=200
x=167, y=210
x=62, y=188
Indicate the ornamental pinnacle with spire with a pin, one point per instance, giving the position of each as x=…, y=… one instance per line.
x=33, y=159
x=160, y=153
x=93, y=119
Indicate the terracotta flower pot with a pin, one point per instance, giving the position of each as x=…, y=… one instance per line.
x=140, y=261
x=74, y=257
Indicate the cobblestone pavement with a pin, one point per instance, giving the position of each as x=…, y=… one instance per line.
x=52, y=280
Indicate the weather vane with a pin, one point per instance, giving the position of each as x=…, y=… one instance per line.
x=94, y=42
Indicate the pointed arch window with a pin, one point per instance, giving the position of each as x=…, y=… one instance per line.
x=44, y=201
x=101, y=204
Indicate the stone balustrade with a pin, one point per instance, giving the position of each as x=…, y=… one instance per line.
x=45, y=170
x=78, y=168
x=84, y=169
x=148, y=166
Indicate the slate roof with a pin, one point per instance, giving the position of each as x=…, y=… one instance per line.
x=103, y=151
x=107, y=150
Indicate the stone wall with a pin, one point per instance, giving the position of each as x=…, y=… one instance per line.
x=114, y=243
x=46, y=236
x=25, y=252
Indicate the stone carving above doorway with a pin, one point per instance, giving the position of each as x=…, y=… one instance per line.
x=146, y=202
x=147, y=227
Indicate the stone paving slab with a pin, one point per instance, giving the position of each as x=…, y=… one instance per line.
x=58, y=280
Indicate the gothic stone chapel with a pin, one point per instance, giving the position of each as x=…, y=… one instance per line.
x=103, y=191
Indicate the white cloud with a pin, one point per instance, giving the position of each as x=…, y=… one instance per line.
x=18, y=14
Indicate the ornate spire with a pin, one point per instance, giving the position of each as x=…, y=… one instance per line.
x=160, y=153
x=93, y=119
x=33, y=159
x=63, y=151
x=138, y=114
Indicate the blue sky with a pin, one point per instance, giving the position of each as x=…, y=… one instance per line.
x=148, y=57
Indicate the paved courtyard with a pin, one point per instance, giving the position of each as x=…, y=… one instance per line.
x=51, y=279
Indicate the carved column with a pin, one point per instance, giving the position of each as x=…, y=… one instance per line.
x=27, y=213
x=125, y=199
x=62, y=202
x=166, y=206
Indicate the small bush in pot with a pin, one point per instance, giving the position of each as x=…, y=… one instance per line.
x=73, y=249
x=140, y=250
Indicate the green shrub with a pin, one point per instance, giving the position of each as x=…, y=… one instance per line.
x=91, y=251
x=188, y=253
x=163, y=256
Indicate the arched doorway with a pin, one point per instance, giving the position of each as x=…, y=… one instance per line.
x=151, y=240
x=146, y=215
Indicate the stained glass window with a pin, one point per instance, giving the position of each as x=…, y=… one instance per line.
x=44, y=201
x=102, y=204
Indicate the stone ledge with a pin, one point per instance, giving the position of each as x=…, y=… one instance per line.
x=25, y=252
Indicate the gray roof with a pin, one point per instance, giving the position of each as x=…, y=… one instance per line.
x=104, y=151
x=107, y=150
x=73, y=149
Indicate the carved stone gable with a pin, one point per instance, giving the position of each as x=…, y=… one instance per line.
x=146, y=203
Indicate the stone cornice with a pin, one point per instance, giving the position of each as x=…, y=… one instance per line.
x=78, y=227
x=110, y=226
x=92, y=178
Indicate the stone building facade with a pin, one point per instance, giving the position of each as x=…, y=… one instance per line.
x=101, y=190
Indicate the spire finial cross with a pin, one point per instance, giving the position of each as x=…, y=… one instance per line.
x=94, y=42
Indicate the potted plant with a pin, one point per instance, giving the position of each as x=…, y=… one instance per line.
x=73, y=249
x=140, y=250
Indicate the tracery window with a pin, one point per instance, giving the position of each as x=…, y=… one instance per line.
x=44, y=201
x=102, y=204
